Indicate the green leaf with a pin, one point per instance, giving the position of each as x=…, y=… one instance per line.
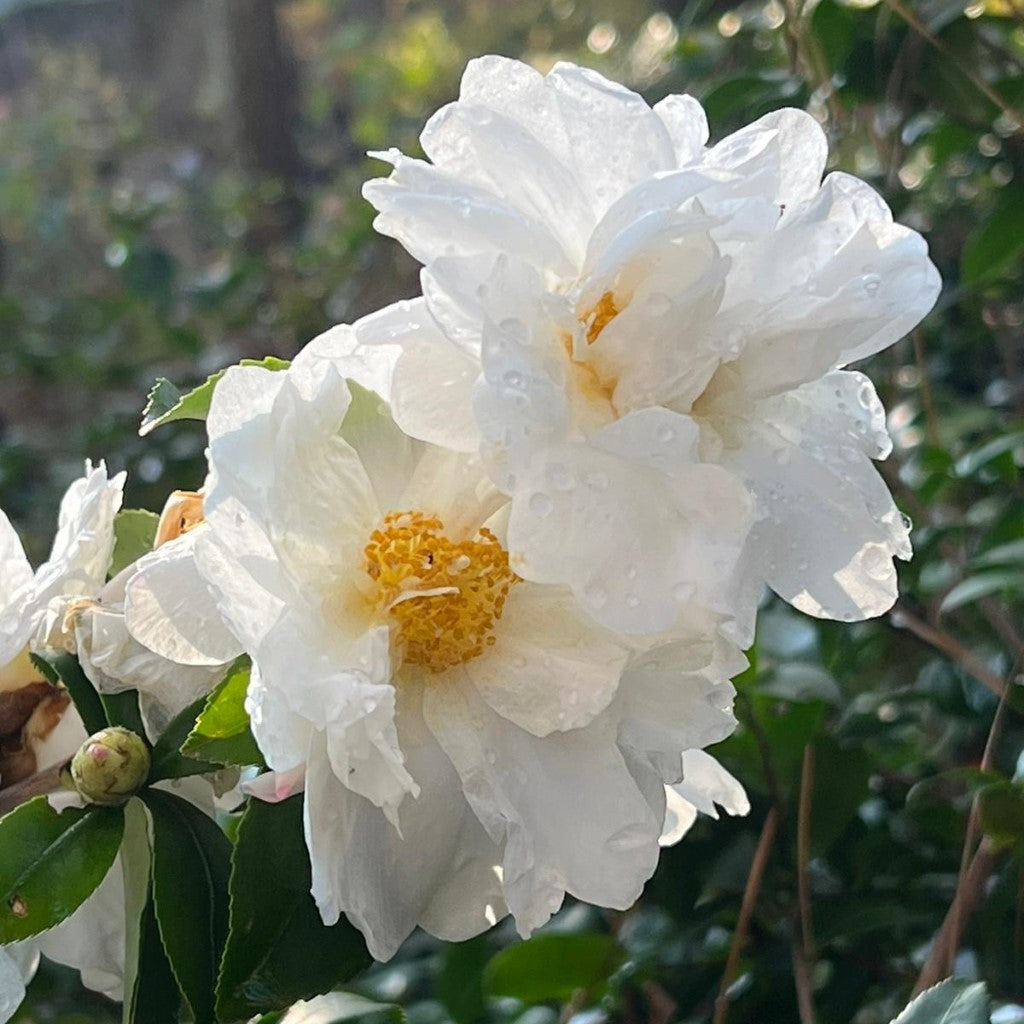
x=552, y=967
x=279, y=949
x=949, y=1002
x=166, y=403
x=64, y=668
x=134, y=533
x=1002, y=813
x=998, y=241
x=222, y=732
x=166, y=760
x=50, y=863
x=151, y=993
x=123, y=709
x=975, y=587
x=339, y=1008
x=1010, y=553
x=460, y=982
x=191, y=864
x=969, y=464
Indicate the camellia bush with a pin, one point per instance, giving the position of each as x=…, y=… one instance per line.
x=498, y=596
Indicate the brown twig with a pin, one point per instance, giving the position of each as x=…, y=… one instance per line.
x=943, y=642
x=967, y=898
x=46, y=781
x=968, y=887
x=802, y=981
x=911, y=18
x=753, y=887
x=931, y=421
x=803, y=855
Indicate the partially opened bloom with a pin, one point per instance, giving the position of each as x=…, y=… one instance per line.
x=644, y=336
x=469, y=744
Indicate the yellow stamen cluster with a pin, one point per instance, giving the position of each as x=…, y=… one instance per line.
x=444, y=597
x=600, y=316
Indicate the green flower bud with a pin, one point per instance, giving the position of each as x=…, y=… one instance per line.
x=110, y=766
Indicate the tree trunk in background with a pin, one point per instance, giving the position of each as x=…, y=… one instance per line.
x=264, y=88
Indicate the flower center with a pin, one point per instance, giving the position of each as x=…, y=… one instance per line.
x=600, y=316
x=444, y=597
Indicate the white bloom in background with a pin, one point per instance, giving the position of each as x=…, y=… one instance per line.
x=463, y=740
x=644, y=336
x=33, y=605
x=17, y=966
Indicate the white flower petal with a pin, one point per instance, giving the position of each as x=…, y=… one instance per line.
x=547, y=669
x=687, y=126
x=565, y=807
x=343, y=348
x=782, y=154
x=169, y=609
x=92, y=939
x=827, y=528
x=706, y=783
x=432, y=394
x=438, y=870
x=12, y=986
x=15, y=570
x=631, y=523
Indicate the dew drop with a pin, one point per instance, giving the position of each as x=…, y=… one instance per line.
x=559, y=476
x=682, y=592
x=866, y=395
x=665, y=434
x=871, y=284
x=541, y=504
x=632, y=601
x=631, y=572
x=513, y=379
x=782, y=456
x=516, y=330
x=595, y=595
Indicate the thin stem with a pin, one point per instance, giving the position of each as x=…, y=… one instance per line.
x=803, y=855
x=739, y=936
x=802, y=982
x=950, y=647
x=927, y=401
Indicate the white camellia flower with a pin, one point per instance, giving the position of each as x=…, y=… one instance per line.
x=469, y=744
x=33, y=605
x=644, y=336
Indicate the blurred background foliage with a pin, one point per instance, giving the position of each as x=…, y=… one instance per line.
x=179, y=187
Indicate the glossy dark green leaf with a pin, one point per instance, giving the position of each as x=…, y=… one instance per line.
x=123, y=709
x=191, y=865
x=460, y=982
x=50, y=863
x=982, y=585
x=222, y=732
x=167, y=404
x=64, y=668
x=552, y=967
x=167, y=761
x=998, y=241
x=278, y=948
x=134, y=533
x=949, y=1002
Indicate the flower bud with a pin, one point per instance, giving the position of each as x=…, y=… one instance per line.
x=110, y=766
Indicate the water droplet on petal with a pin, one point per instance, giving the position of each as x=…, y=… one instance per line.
x=877, y=563
x=559, y=476
x=782, y=455
x=516, y=330
x=866, y=395
x=595, y=595
x=632, y=601
x=541, y=504
x=871, y=284
x=682, y=592
x=513, y=379
x=664, y=434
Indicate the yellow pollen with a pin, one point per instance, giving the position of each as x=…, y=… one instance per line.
x=600, y=316
x=444, y=597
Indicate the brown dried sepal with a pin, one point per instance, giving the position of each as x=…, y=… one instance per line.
x=17, y=748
